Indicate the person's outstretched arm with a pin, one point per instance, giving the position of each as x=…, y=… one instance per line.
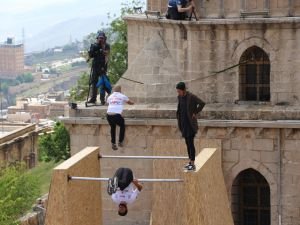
x=129, y=102
x=137, y=184
x=186, y=9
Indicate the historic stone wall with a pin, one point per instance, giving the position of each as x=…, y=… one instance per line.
x=20, y=146
x=237, y=8
x=194, y=200
x=271, y=148
x=193, y=50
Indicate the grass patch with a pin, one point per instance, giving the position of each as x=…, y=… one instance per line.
x=43, y=172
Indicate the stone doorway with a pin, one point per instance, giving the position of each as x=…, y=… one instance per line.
x=250, y=197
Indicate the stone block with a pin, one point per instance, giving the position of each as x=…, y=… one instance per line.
x=247, y=154
x=292, y=168
x=271, y=166
x=196, y=36
x=227, y=166
x=291, y=145
x=226, y=144
x=292, y=156
x=133, y=217
x=269, y=157
x=139, y=142
x=270, y=134
x=241, y=143
x=93, y=140
x=231, y=156
x=216, y=133
x=263, y=144
x=291, y=211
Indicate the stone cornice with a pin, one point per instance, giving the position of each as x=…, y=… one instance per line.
x=291, y=124
x=214, y=21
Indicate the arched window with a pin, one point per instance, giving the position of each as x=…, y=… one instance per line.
x=254, y=75
x=251, y=199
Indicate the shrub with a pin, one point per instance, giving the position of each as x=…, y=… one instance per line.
x=18, y=191
x=55, y=146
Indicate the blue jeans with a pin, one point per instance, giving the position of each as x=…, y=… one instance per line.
x=104, y=84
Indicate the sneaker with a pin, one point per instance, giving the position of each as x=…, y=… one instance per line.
x=109, y=187
x=190, y=168
x=187, y=165
x=121, y=144
x=112, y=185
x=114, y=147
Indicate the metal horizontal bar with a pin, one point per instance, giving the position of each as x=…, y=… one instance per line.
x=140, y=157
x=141, y=180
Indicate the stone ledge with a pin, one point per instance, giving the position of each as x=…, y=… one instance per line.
x=217, y=111
x=201, y=122
x=215, y=21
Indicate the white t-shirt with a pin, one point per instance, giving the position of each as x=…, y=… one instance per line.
x=128, y=195
x=115, y=102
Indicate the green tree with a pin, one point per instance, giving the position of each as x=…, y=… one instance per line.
x=117, y=35
x=27, y=77
x=55, y=146
x=79, y=92
x=4, y=88
x=18, y=191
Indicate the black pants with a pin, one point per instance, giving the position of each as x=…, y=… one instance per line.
x=113, y=121
x=190, y=147
x=173, y=14
x=125, y=177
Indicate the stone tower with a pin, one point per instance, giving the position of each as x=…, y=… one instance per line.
x=242, y=58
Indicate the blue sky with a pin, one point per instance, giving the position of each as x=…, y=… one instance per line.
x=35, y=15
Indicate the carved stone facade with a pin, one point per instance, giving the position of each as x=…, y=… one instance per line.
x=271, y=148
x=242, y=59
x=237, y=8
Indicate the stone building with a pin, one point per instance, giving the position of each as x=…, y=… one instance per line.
x=242, y=58
x=11, y=59
x=18, y=143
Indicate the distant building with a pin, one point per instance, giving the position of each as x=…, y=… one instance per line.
x=18, y=143
x=11, y=59
x=44, y=107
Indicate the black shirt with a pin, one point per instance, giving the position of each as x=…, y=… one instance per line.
x=186, y=128
x=97, y=52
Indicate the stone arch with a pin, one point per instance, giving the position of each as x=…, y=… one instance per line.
x=246, y=44
x=253, y=41
x=254, y=75
x=250, y=189
x=265, y=172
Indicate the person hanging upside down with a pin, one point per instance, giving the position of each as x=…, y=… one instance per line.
x=124, y=189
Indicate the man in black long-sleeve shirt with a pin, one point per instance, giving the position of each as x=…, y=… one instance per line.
x=189, y=105
x=99, y=52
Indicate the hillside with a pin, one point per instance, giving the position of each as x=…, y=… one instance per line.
x=64, y=32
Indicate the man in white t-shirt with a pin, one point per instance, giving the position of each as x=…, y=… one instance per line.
x=124, y=189
x=114, y=117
